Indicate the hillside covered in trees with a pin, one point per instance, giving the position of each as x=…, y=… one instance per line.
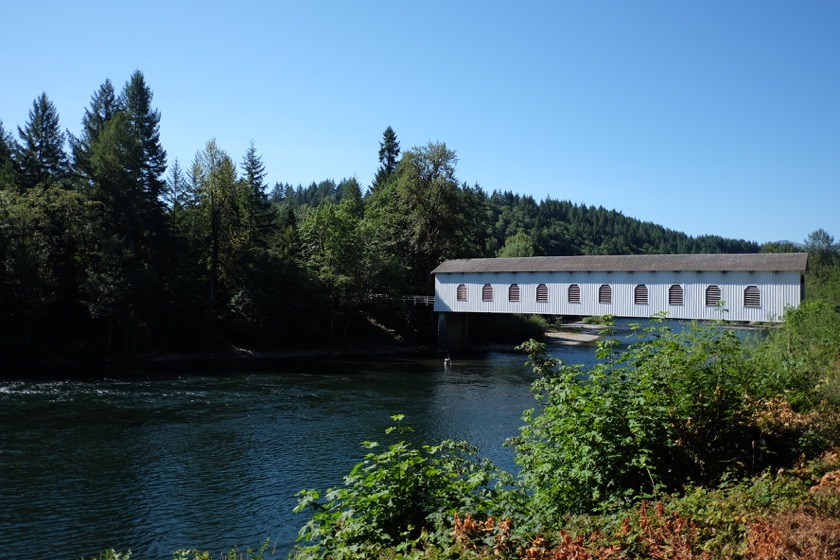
x=108, y=248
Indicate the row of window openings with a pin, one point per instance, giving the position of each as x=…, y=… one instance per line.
x=752, y=295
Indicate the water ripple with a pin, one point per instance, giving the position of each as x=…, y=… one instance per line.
x=157, y=464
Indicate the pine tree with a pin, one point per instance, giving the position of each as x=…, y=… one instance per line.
x=103, y=106
x=8, y=166
x=41, y=156
x=136, y=100
x=260, y=215
x=389, y=153
x=177, y=193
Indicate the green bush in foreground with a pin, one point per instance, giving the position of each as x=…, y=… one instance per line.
x=195, y=554
x=403, y=497
x=674, y=408
x=801, y=358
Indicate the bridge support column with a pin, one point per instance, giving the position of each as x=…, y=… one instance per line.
x=453, y=331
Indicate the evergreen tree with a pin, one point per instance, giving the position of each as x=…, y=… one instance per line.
x=223, y=225
x=176, y=194
x=8, y=166
x=288, y=244
x=103, y=106
x=41, y=157
x=120, y=158
x=350, y=192
x=389, y=152
x=136, y=100
x=259, y=213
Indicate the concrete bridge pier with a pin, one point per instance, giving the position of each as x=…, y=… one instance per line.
x=453, y=331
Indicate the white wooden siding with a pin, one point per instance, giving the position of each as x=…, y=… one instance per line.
x=779, y=290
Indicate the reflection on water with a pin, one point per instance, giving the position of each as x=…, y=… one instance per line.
x=156, y=464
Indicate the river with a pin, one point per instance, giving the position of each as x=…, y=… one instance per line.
x=155, y=463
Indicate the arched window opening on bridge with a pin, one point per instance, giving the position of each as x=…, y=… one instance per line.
x=513, y=292
x=462, y=292
x=712, y=295
x=640, y=295
x=752, y=297
x=487, y=292
x=574, y=293
x=605, y=294
x=542, y=293
x=675, y=295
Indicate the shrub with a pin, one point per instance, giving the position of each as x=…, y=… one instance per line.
x=802, y=357
x=404, y=497
x=674, y=407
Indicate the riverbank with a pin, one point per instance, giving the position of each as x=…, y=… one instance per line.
x=574, y=334
x=207, y=361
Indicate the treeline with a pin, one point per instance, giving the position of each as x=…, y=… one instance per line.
x=108, y=248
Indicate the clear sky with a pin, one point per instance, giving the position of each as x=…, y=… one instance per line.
x=708, y=117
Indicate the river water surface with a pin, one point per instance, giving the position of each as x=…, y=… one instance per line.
x=212, y=461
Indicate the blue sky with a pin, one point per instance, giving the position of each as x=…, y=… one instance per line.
x=712, y=117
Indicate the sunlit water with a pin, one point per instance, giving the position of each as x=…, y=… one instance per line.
x=212, y=461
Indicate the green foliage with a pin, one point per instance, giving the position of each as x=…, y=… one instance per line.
x=823, y=279
x=41, y=157
x=518, y=245
x=193, y=554
x=389, y=152
x=673, y=408
x=566, y=228
x=207, y=256
x=403, y=497
x=111, y=554
x=802, y=356
x=422, y=216
x=196, y=554
x=598, y=320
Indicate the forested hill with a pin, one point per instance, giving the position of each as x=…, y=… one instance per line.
x=565, y=228
x=548, y=227
x=109, y=248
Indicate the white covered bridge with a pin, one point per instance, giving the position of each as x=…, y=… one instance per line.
x=736, y=287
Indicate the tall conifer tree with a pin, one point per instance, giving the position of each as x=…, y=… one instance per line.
x=41, y=156
x=260, y=215
x=389, y=153
x=103, y=106
x=144, y=127
x=136, y=100
x=8, y=167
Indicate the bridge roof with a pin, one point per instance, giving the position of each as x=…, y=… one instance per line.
x=787, y=262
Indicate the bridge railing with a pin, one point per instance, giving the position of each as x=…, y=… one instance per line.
x=416, y=300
